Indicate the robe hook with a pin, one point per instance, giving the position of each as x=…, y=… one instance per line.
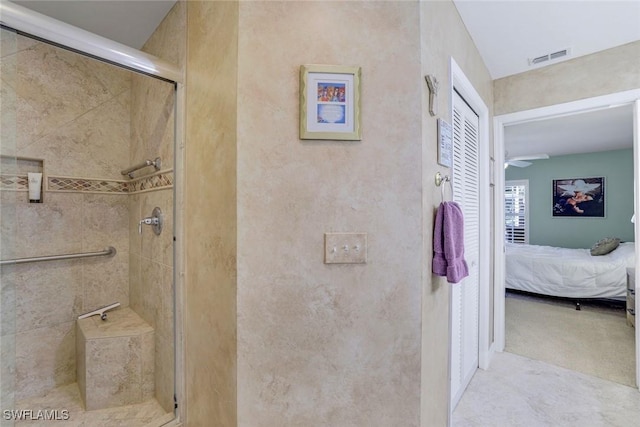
x=439, y=180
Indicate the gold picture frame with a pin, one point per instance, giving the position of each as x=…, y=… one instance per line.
x=330, y=102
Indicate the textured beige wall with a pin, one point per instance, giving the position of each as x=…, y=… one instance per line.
x=316, y=344
x=609, y=71
x=73, y=114
x=210, y=213
x=443, y=36
x=329, y=344
x=151, y=261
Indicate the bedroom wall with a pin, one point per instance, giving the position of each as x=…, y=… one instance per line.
x=617, y=168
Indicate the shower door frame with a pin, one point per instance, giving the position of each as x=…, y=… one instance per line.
x=33, y=24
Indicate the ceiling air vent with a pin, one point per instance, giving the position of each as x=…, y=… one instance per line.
x=550, y=56
x=559, y=54
x=539, y=59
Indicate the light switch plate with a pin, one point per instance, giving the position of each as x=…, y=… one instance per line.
x=345, y=248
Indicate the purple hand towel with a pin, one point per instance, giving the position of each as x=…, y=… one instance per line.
x=439, y=263
x=448, y=243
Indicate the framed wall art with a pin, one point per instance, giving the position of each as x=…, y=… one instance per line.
x=330, y=102
x=579, y=197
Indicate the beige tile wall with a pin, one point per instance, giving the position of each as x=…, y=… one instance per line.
x=86, y=119
x=152, y=135
x=151, y=284
x=73, y=115
x=69, y=103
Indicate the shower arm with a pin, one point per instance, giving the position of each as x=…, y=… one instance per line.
x=157, y=164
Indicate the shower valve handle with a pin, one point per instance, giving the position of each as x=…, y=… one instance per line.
x=147, y=221
x=155, y=221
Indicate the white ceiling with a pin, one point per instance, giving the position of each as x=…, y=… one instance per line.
x=602, y=130
x=509, y=33
x=129, y=22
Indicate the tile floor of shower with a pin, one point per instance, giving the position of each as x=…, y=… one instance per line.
x=146, y=414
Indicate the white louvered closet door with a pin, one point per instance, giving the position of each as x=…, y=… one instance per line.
x=465, y=295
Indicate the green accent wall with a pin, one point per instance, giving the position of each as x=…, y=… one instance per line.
x=575, y=232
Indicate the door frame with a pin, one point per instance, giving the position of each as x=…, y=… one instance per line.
x=569, y=108
x=460, y=83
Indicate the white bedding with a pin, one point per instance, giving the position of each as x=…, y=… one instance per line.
x=571, y=273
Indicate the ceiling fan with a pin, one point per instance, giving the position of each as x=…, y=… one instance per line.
x=521, y=161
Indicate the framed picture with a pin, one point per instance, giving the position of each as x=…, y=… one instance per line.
x=579, y=197
x=330, y=102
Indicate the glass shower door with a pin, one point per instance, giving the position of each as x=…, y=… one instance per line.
x=86, y=121
x=10, y=184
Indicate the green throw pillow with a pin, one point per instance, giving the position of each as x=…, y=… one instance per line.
x=605, y=246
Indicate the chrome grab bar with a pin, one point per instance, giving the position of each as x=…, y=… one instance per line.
x=110, y=251
x=157, y=163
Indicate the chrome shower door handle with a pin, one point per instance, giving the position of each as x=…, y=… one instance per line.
x=155, y=221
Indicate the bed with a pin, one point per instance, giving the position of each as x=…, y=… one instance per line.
x=568, y=273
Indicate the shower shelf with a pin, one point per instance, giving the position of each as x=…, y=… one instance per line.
x=20, y=165
x=15, y=173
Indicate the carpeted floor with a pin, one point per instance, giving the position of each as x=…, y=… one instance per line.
x=595, y=340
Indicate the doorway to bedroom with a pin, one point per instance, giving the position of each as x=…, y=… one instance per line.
x=568, y=183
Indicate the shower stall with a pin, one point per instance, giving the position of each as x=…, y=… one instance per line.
x=87, y=217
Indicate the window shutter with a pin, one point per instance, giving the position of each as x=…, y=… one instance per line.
x=516, y=211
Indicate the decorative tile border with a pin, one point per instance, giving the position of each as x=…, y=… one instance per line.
x=152, y=182
x=14, y=182
x=55, y=183
x=160, y=180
